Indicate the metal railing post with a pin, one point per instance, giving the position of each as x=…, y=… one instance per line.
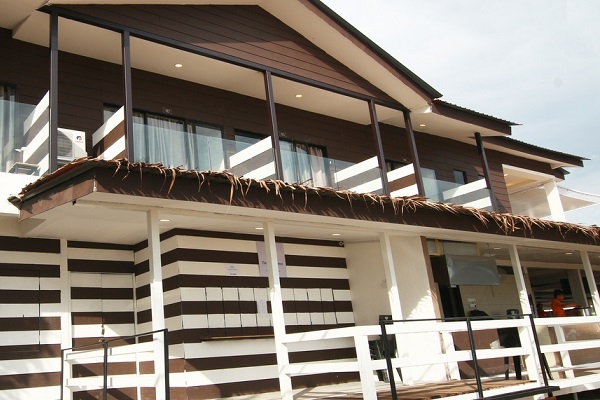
x=388, y=360
x=62, y=373
x=166, y=349
x=541, y=357
x=105, y=368
x=474, y=357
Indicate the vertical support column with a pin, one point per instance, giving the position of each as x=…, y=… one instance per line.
x=390, y=275
x=589, y=274
x=285, y=382
x=519, y=279
x=556, y=208
x=128, y=94
x=53, y=139
x=379, y=147
x=527, y=339
x=414, y=155
x=577, y=289
x=274, y=128
x=156, y=300
x=486, y=171
x=65, y=313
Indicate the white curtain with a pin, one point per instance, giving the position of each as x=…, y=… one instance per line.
x=7, y=127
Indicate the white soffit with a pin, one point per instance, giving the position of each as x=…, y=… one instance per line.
x=75, y=38
x=328, y=38
x=550, y=161
x=15, y=11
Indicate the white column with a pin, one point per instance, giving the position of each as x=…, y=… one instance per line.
x=156, y=300
x=390, y=276
x=556, y=208
x=519, y=279
x=577, y=289
x=285, y=382
x=65, y=312
x=589, y=274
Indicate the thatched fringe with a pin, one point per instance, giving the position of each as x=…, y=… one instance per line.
x=507, y=223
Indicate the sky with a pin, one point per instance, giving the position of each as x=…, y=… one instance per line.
x=534, y=62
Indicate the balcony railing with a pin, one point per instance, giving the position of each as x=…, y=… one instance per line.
x=25, y=133
x=174, y=148
x=474, y=194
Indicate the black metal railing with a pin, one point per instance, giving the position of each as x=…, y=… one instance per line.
x=512, y=395
x=105, y=346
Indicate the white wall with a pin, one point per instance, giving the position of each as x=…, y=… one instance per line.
x=11, y=184
x=368, y=286
x=494, y=300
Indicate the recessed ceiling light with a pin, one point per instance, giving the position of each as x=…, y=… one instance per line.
x=497, y=248
x=568, y=253
x=260, y=228
x=298, y=96
x=178, y=65
x=165, y=220
x=421, y=124
x=336, y=234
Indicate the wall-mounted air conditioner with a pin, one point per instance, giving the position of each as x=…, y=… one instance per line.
x=71, y=144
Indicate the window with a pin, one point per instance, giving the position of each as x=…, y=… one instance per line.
x=175, y=142
x=7, y=126
x=460, y=177
x=303, y=163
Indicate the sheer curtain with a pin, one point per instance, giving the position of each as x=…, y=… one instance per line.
x=166, y=141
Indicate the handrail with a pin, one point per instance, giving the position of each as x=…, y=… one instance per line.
x=105, y=346
x=468, y=321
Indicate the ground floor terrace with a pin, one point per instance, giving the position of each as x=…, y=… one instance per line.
x=263, y=287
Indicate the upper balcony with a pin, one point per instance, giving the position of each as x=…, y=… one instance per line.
x=214, y=104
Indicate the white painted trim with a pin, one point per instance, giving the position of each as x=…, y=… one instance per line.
x=108, y=126
x=368, y=187
x=401, y=172
x=156, y=296
x=356, y=169
x=261, y=172
x=37, y=112
x=275, y=295
x=41, y=137
x=557, y=211
x=481, y=203
x=250, y=152
x=465, y=189
x=408, y=191
x=114, y=150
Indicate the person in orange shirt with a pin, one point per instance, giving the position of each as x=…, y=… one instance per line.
x=557, y=304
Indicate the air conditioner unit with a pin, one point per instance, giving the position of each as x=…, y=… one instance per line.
x=71, y=145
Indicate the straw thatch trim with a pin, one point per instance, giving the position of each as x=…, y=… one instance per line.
x=507, y=223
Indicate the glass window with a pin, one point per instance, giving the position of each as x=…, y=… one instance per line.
x=7, y=126
x=174, y=141
x=460, y=177
x=302, y=163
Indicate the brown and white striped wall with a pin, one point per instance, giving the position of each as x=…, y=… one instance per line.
x=218, y=316
x=57, y=294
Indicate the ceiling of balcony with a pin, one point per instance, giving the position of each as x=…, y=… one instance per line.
x=101, y=44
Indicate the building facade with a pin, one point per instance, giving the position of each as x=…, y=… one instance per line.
x=242, y=174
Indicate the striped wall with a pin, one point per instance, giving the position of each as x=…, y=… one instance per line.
x=30, y=336
x=218, y=314
x=102, y=309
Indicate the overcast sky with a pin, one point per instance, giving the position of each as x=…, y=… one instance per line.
x=534, y=62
